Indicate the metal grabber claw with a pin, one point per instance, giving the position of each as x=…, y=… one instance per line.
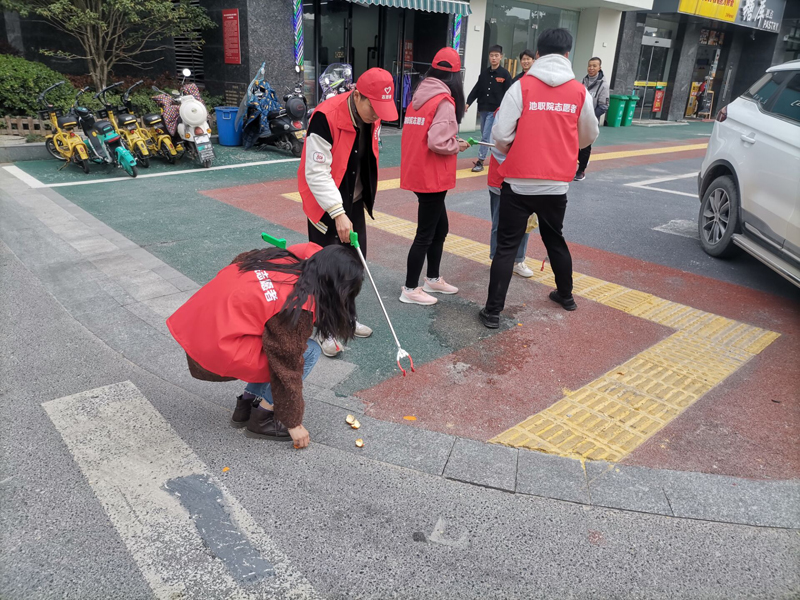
x=401, y=354
x=474, y=142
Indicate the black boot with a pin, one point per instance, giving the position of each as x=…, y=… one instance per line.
x=265, y=426
x=242, y=413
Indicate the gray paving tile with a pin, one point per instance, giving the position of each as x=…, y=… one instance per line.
x=489, y=465
x=627, y=488
x=330, y=372
x=166, y=272
x=164, y=306
x=182, y=282
x=391, y=443
x=144, y=285
x=93, y=246
x=733, y=500
x=149, y=316
x=551, y=477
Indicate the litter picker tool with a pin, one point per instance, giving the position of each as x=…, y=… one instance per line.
x=400, y=352
x=279, y=242
x=474, y=142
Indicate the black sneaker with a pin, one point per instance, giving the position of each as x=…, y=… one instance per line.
x=478, y=166
x=490, y=321
x=263, y=425
x=567, y=303
x=580, y=176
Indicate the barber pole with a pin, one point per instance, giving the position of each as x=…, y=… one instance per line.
x=457, y=33
x=297, y=23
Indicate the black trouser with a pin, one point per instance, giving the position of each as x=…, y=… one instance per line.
x=515, y=209
x=583, y=157
x=432, y=228
x=356, y=214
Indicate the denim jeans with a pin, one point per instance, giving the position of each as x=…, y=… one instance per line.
x=487, y=121
x=494, y=205
x=310, y=356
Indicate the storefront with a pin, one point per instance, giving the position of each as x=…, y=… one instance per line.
x=694, y=56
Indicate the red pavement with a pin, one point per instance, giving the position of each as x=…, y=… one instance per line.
x=747, y=426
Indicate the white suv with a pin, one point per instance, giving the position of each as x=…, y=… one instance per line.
x=749, y=183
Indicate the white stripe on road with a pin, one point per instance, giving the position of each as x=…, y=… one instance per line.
x=35, y=183
x=29, y=180
x=647, y=184
x=189, y=536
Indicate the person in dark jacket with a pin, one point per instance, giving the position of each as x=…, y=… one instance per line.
x=253, y=322
x=526, y=58
x=489, y=91
x=597, y=86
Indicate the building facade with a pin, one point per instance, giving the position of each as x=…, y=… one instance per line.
x=689, y=58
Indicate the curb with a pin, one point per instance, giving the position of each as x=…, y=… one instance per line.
x=132, y=323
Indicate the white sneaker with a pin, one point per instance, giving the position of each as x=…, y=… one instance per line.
x=416, y=296
x=523, y=270
x=362, y=331
x=330, y=347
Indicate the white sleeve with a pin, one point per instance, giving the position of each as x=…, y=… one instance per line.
x=505, y=121
x=318, y=175
x=588, y=128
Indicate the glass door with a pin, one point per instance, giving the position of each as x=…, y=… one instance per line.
x=651, y=75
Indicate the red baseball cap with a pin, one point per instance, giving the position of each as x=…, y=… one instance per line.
x=378, y=85
x=450, y=56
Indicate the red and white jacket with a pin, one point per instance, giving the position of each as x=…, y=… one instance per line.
x=544, y=120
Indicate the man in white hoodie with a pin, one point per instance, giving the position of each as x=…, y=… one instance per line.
x=544, y=120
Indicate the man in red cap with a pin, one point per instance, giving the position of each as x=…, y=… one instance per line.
x=338, y=174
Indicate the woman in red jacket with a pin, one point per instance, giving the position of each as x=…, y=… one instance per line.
x=428, y=168
x=254, y=322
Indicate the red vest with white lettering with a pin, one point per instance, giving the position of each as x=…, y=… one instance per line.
x=547, y=130
x=222, y=324
x=494, y=179
x=421, y=169
x=343, y=132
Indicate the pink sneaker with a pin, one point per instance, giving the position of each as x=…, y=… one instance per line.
x=416, y=296
x=439, y=286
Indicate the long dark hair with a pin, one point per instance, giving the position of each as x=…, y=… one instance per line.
x=454, y=83
x=332, y=278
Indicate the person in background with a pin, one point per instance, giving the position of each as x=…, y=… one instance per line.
x=526, y=58
x=598, y=87
x=489, y=91
x=495, y=181
x=428, y=168
x=547, y=115
x=253, y=322
x=338, y=173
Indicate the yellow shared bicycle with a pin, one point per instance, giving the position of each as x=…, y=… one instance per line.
x=126, y=124
x=63, y=143
x=154, y=132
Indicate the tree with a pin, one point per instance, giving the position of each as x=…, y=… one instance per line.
x=117, y=32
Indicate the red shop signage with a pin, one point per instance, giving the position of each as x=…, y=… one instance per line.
x=230, y=36
x=658, y=101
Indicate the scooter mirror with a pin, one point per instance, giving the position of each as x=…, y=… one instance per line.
x=297, y=68
x=187, y=72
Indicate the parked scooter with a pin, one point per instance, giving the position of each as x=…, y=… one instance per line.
x=153, y=131
x=126, y=124
x=102, y=140
x=190, y=125
x=336, y=79
x=63, y=143
x=266, y=122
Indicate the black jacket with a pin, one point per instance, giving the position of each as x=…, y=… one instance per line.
x=490, y=89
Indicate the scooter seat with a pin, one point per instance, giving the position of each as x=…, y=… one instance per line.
x=67, y=122
x=152, y=120
x=274, y=114
x=126, y=119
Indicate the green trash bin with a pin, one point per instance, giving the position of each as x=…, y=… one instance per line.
x=630, y=110
x=616, y=110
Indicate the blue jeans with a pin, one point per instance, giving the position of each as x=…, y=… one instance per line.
x=487, y=121
x=494, y=205
x=310, y=356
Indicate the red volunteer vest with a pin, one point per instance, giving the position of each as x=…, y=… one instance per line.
x=422, y=170
x=548, y=130
x=344, y=136
x=221, y=325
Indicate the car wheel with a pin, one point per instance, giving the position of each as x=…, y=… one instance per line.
x=719, y=218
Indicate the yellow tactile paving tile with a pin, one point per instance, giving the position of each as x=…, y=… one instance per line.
x=610, y=417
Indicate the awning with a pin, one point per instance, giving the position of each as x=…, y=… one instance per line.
x=451, y=7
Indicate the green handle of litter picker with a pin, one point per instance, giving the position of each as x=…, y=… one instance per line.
x=279, y=242
x=472, y=141
x=354, y=240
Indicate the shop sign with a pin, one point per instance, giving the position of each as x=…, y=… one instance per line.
x=230, y=36
x=758, y=14
x=658, y=101
x=408, y=53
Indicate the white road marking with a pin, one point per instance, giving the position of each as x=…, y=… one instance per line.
x=35, y=183
x=30, y=180
x=648, y=183
x=680, y=227
x=129, y=454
